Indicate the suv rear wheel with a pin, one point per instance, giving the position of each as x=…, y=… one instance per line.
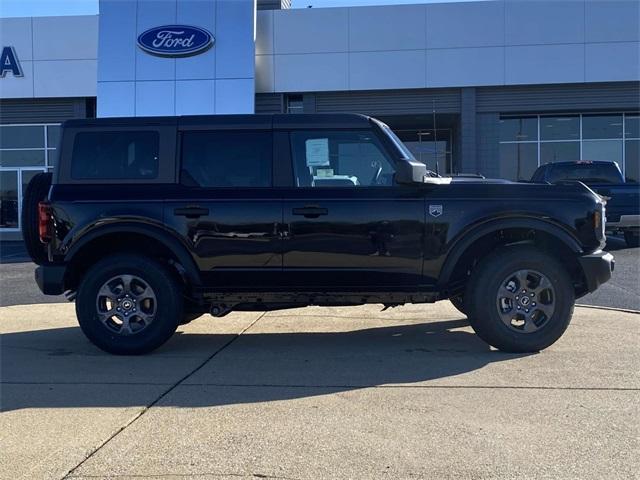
x=519, y=299
x=128, y=304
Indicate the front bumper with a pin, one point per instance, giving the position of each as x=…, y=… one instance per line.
x=597, y=268
x=50, y=279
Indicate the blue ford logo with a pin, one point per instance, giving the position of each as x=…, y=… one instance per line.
x=175, y=41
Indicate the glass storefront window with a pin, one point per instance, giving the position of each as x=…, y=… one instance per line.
x=9, y=199
x=601, y=126
x=518, y=161
x=559, y=152
x=25, y=150
x=602, y=150
x=21, y=136
x=598, y=137
x=632, y=126
x=519, y=129
x=53, y=135
x=632, y=161
x=565, y=127
x=52, y=157
x=21, y=158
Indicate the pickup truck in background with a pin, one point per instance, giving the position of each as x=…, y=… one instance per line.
x=606, y=179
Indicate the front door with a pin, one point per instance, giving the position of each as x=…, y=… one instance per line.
x=227, y=209
x=349, y=227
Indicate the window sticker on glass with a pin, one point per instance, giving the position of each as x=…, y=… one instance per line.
x=325, y=172
x=317, y=150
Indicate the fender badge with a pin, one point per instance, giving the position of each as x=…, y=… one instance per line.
x=435, y=210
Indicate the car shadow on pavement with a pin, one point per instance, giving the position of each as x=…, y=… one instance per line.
x=59, y=368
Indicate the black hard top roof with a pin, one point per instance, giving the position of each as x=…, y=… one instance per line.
x=255, y=121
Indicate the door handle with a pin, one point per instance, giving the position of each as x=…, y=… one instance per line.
x=310, y=211
x=191, y=212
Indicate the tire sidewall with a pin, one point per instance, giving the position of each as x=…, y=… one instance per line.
x=486, y=320
x=168, y=313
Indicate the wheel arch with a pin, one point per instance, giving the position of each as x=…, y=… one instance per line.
x=133, y=238
x=480, y=239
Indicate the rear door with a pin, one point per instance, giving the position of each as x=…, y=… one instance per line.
x=349, y=226
x=225, y=206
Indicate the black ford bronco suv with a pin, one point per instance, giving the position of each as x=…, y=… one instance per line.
x=149, y=223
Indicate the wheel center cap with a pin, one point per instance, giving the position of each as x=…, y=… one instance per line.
x=127, y=304
x=524, y=301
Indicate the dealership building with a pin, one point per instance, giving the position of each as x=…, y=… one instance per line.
x=490, y=87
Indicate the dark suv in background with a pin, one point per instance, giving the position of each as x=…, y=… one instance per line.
x=150, y=222
x=606, y=179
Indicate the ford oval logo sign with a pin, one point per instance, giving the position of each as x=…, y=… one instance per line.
x=175, y=41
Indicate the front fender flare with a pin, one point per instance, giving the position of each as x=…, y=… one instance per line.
x=469, y=237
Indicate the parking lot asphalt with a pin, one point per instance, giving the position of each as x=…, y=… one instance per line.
x=317, y=393
x=17, y=286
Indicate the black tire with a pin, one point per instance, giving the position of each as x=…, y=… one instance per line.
x=483, y=303
x=167, y=300
x=632, y=238
x=36, y=191
x=458, y=302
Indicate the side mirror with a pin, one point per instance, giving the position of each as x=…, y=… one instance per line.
x=409, y=171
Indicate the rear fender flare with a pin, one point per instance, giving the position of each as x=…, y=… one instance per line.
x=166, y=238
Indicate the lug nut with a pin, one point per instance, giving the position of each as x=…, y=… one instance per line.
x=524, y=291
x=517, y=298
x=527, y=311
x=533, y=294
x=534, y=304
x=518, y=307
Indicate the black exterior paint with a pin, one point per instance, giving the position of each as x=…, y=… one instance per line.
x=352, y=241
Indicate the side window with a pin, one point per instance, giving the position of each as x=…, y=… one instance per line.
x=226, y=159
x=340, y=159
x=115, y=155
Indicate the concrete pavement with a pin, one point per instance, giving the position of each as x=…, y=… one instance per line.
x=320, y=393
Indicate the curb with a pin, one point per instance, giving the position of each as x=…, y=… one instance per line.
x=595, y=307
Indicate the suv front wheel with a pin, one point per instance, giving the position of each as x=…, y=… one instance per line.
x=519, y=299
x=128, y=304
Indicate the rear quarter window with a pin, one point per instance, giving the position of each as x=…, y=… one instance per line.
x=117, y=155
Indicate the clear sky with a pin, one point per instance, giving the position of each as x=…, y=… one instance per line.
x=35, y=8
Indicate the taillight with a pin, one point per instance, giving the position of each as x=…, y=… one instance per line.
x=44, y=222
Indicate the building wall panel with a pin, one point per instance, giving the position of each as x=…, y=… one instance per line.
x=393, y=102
x=612, y=61
x=392, y=27
x=544, y=22
x=612, y=21
x=457, y=25
x=559, y=98
x=42, y=110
